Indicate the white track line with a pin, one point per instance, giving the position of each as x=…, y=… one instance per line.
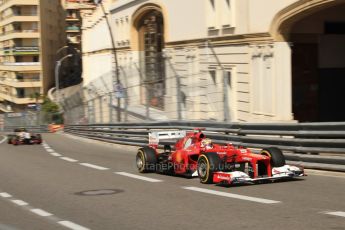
x=5, y=195
x=231, y=195
x=3, y=140
x=138, y=177
x=341, y=214
x=55, y=154
x=19, y=202
x=94, y=166
x=40, y=212
x=68, y=159
x=72, y=225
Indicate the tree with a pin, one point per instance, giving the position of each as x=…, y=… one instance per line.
x=51, y=111
x=49, y=106
x=36, y=96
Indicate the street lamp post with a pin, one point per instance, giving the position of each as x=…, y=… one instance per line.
x=77, y=60
x=115, y=79
x=62, y=48
x=57, y=67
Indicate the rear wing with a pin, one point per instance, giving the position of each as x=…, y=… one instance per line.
x=154, y=137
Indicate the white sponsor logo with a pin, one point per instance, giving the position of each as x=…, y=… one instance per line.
x=222, y=177
x=247, y=158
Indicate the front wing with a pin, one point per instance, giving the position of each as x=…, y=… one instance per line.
x=236, y=177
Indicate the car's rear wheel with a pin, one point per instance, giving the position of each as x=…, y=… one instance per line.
x=276, y=155
x=38, y=139
x=146, y=160
x=208, y=163
x=15, y=141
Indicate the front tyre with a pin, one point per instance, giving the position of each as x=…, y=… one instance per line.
x=146, y=160
x=208, y=163
x=276, y=155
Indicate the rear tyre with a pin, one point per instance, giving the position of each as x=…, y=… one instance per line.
x=39, y=139
x=146, y=160
x=208, y=163
x=276, y=155
x=15, y=141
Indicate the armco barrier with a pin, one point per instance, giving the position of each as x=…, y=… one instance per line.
x=314, y=145
x=324, y=141
x=34, y=129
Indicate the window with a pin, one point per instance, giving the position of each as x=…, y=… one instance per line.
x=211, y=14
x=152, y=44
x=335, y=27
x=213, y=76
x=20, y=93
x=220, y=14
x=262, y=84
x=226, y=13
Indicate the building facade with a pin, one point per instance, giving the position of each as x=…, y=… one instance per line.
x=30, y=33
x=230, y=60
x=71, y=68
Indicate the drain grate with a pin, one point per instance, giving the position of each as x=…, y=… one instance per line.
x=99, y=192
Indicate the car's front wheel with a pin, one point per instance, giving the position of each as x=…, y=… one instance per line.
x=208, y=163
x=276, y=155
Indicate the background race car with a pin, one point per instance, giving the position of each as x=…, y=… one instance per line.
x=23, y=136
x=195, y=155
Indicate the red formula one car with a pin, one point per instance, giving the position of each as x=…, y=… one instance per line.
x=195, y=155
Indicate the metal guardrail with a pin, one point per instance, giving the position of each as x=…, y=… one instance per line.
x=314, y=145
x=34, y=129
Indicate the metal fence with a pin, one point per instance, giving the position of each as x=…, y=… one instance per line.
x=32, y=119
x=184, y=88
x=314, y=145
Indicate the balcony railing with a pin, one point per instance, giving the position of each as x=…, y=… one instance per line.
x=20, y=63
x=74, y=18
x=18, y=14
x=26, y=48
x=80, y=1
x=19, y=31
x=73, y=28
x=21, y=50
x=28, y=80
x=20, y=79
x=5, y=108
x=17, y=95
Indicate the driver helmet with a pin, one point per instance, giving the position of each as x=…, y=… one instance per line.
x=206, y=143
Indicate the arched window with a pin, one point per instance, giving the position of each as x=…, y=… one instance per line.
x=151, y=44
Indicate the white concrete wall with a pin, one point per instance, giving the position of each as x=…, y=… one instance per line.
x=262, y=12
x=96, y=45
x=96, y=65
x=254, y=95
